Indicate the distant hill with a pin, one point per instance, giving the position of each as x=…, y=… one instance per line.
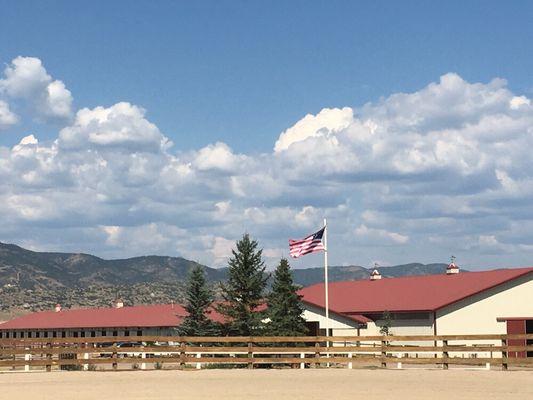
x=309, y=276
x=31, y=270
x=37, y=280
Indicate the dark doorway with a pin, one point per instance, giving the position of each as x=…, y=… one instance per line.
x=516, y=327
x=312, y=328
x=529, y=329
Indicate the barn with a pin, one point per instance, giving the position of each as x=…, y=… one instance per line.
x=452, y=303
x=159, y=319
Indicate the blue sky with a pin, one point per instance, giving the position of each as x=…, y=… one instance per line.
x=129, y=128
x=224, y=70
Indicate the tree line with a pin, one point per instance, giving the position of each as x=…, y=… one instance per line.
x=246, y=308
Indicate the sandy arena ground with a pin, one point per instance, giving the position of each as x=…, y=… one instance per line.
x=270, y=384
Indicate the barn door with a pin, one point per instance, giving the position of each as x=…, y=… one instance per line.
x=529, y=329
x=516, y=327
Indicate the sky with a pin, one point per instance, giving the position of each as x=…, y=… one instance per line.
x=130, y=128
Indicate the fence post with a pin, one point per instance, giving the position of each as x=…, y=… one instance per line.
x=350, y=364
x=302, y=364
x=250, y=355
x=27, y=357
x=505, y=354
x=143, y=356
x=445, y=354
x=85, y=357
x=114, y=356
x=182, y=355
x=317, y=353
x=49, y=358
x=383, y=354
x=198, y=365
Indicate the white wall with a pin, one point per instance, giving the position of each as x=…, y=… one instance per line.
x=341, y=326
x=478, y=314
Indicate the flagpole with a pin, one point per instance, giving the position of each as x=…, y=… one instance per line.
x=326, y=280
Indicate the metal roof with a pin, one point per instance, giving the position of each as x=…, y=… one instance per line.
x=161, y=315
x=408, y=294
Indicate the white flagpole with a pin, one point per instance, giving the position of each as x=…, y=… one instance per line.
x=326, y=279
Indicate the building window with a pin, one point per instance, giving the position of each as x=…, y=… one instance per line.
x=82, y=333
x=46, y=334
x=115, y=333
x=1, y=335
x=54, y=334
x=37, y=334
x=76, y=334
x=22, y=335
x=7, y=335
x=139, y=333
x=93, y=333
x=322, y=332
x=103, y=333
x=126, y=332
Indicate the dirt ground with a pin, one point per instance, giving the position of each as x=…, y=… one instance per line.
x=270, y=384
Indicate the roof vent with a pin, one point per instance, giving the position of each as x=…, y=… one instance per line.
x=452, y=267
x=57, y=308
x=118, y=303
x=375, y=275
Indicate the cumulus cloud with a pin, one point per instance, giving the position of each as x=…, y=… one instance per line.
x=326, y=123
x=379, y=236
x=121, y=126
x=218, y=156
x=27, y=79
x=413, y=177
x=7, y=117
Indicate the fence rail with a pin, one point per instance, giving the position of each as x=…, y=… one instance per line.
x=148, y=352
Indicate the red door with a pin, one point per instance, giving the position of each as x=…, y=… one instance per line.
x=516, y=327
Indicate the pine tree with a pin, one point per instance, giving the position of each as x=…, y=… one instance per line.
x=284, y=304
x=199, y=297
x=386, y=324
x=243, y=292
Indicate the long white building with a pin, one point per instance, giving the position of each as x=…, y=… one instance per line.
x=487, y=302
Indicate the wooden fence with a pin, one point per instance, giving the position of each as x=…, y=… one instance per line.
x=149, y=352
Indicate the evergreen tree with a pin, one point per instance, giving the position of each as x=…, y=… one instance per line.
x=386, y=324
x=285, y=308
x=199, y=297
x=243, y=292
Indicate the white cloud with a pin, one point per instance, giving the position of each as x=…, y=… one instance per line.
x=221, y=250
x=519, y=101
x=7, y=117
x=217, y=156
x=414, y=177
x=380, y=236
x=27, y=79
x=120, y=126
x=326, y=123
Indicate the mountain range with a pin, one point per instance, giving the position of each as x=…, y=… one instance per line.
x=32, y=280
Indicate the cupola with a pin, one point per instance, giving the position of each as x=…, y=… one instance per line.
x=452, y=267
x=375, y=275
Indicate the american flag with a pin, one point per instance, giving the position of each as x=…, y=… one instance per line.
x=310, y=244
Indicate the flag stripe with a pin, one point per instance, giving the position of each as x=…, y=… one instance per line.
x=310, y=244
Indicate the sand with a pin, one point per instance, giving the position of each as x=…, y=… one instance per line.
x=270, y=384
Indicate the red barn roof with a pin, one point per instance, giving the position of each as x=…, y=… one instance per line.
x=410, y=293
x=161, y=315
